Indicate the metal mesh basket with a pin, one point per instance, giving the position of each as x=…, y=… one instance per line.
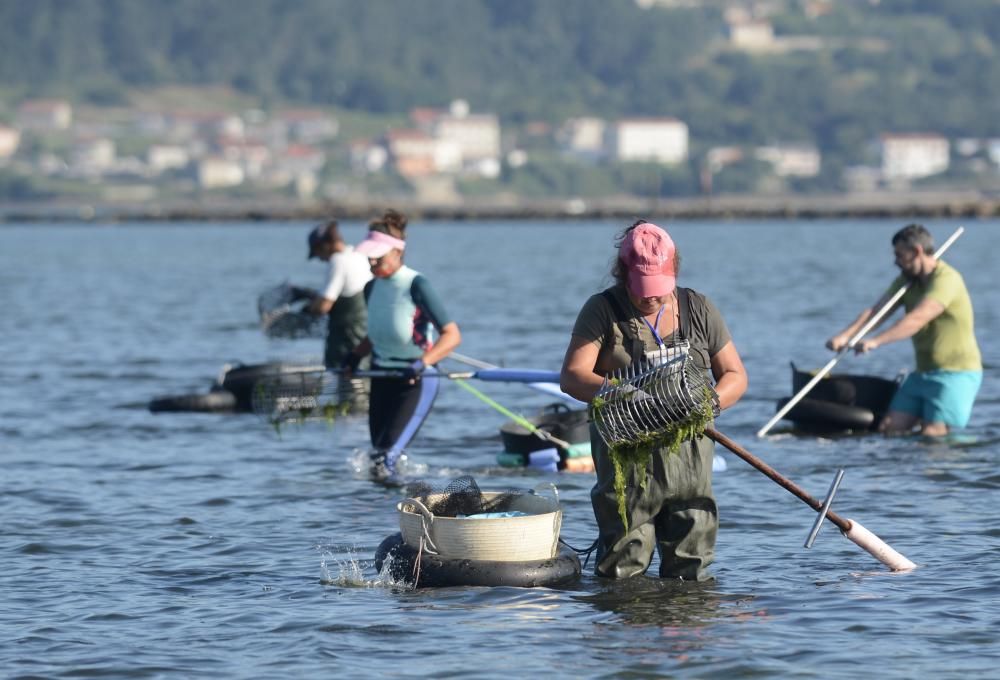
x=648, y=400
x=307, y=395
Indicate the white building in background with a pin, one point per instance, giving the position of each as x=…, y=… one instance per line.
x=476, y=135
x=367, y=156
x=517, y=158
x=188, y=125
x=300, y=159
x=93, y=155
x=163, y=157
x=993, y=151
x=215, y=172
x=752, y=35
x=417, y=154
x=583, y=136
x=719, y=157
x=44, y=115
x=791, y=160
x=10, y=139
x=253, y=158
x=968, y=146
x=412, y=152
x=915, y=155
x=661, y=140
x=298, y=166
x=489, y=168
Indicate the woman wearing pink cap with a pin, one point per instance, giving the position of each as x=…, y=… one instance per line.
x=402, y=309
x=669, y=505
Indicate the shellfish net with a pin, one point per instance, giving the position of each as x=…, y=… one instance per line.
x=461, y=497
x=309, y=394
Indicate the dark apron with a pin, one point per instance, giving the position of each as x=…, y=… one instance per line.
x=347, y=327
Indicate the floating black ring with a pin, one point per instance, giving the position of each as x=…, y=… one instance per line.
x=436, y=571
x=217, y=401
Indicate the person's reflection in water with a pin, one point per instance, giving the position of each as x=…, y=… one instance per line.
x=683, y=611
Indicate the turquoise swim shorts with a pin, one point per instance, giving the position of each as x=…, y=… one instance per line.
x=939, y=396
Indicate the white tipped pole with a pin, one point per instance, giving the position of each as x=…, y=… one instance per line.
x=877, y=548
x=865, y=539
x=872, y=322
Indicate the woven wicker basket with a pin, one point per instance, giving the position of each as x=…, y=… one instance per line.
x=534, y=536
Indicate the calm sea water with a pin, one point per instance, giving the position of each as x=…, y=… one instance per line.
x=185, y=545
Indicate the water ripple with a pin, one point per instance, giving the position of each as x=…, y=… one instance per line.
x=191, y=545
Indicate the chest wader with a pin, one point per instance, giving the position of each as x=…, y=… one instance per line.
x=669, y=504
x=347, y=327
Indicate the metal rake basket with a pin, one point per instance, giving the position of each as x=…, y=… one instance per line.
x=651, y=399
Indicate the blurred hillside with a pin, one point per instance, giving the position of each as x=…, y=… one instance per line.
x=774, y=96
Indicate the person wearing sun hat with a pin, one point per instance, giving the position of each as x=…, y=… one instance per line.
x=403, y=309
x=341, y=299
x=669, y=505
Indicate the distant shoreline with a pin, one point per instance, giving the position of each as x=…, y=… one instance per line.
x=845, y=206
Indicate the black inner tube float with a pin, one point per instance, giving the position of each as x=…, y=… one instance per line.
x=434, y=571
x=234, y=393
x=216, y=401
x=840, y=402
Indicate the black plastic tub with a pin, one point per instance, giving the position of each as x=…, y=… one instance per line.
x=558, y=420
x=840, y=402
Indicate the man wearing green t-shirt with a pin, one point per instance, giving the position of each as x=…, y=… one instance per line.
x=938, y=396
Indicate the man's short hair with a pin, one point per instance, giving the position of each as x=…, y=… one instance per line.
x=913, y=235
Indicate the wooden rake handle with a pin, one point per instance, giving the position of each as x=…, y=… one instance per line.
x=853, y=530
x=842, y=524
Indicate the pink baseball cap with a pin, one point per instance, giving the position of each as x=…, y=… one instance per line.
x=377, y=244
x=648, y=254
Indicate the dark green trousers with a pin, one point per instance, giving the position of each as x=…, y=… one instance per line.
x=675, y=513
x=347, y=327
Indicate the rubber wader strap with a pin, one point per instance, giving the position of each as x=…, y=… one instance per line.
x=683, y=311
